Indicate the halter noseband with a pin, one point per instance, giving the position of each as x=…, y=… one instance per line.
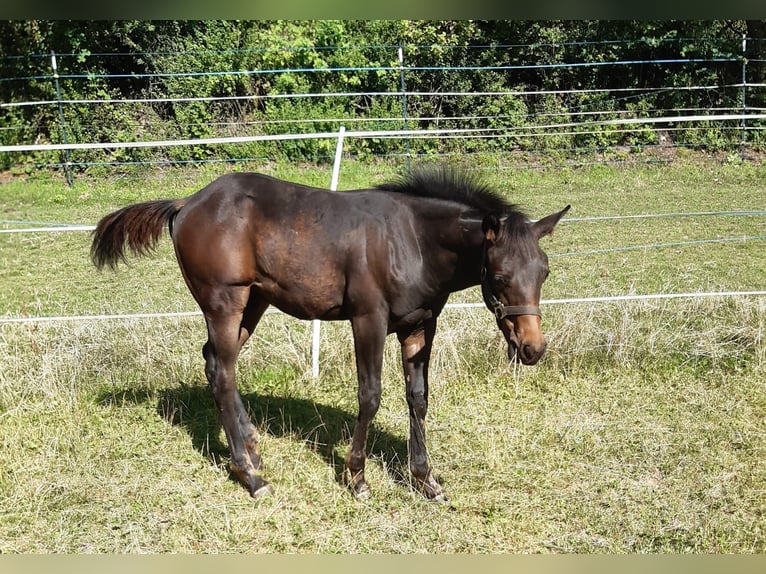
x=493, y=303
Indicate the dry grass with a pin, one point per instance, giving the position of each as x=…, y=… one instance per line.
x=640, y=432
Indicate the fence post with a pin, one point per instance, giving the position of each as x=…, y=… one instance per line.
x=742, y=123
x=67, y=162
x=404, y=105
x=316, y=323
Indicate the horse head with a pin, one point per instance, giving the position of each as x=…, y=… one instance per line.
x=513, y=271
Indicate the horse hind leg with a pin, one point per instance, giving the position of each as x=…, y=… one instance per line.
x=227, y=332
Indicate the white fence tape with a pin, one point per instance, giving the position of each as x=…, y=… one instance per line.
x=373, y=133
x=571, y=301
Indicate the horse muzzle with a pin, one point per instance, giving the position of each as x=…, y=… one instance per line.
x=525, y=353
x=526, y=344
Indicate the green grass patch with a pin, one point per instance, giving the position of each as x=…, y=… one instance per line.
x=642, y=430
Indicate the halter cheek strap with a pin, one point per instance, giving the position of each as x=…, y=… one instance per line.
x=493, y=303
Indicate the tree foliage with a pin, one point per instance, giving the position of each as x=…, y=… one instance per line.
x=521, y=74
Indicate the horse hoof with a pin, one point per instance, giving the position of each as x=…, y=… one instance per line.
x=363, y=494
x=263, y=491
x=361, y=491
x=440, y=498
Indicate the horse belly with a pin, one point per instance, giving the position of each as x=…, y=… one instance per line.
x=305, y=280
x=306, y=297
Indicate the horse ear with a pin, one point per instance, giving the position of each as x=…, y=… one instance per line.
x=491, y=227
x=545, y=225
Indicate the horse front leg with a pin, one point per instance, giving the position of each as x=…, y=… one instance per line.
x=369, y=339
x=416, y=353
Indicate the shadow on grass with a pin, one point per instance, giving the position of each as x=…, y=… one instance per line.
x=326, y=430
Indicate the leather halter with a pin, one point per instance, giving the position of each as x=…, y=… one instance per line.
x=493, y=303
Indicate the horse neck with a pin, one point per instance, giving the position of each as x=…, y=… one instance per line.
x=471, y=254
x=462, y=240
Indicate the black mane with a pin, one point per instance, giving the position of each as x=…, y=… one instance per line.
x=453, y=184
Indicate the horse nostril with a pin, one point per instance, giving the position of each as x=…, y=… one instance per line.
x=525, y=351
x=529, y=354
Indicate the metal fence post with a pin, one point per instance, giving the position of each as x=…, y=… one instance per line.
x=742, y=121
x=67, y=162
x=404, y=104
x=316, y=323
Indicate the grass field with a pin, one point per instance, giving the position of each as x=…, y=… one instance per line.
x=642, y=430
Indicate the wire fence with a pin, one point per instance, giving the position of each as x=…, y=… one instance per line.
x=278, y=118
x=270, y=310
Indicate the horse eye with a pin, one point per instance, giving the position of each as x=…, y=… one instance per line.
x=501, y=279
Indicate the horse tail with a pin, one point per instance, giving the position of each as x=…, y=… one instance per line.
x=137, y=227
